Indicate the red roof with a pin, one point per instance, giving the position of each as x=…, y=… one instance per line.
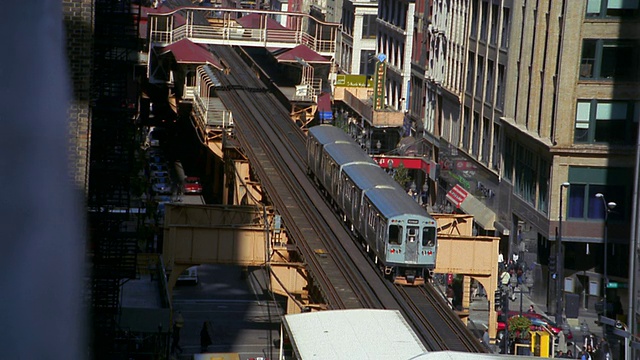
x=256, y=21
x=301, y=52
x=162, y=9
x=187, y=52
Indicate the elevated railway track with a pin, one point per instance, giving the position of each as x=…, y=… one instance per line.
x=347, y=279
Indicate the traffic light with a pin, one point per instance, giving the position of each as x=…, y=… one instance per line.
x=497, y=300
x=553, y=265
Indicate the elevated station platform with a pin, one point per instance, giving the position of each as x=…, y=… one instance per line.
x=243, y=27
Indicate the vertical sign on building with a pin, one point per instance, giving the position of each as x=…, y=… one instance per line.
x=379, y=82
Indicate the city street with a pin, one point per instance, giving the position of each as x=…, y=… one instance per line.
x=242, y=318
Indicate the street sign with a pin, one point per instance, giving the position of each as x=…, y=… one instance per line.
x=616, y=285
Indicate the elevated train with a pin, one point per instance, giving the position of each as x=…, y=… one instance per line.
x=396, y=231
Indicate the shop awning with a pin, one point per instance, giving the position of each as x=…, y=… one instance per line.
x=468, y=203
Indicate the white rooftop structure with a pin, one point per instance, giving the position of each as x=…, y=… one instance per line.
x=352, y=334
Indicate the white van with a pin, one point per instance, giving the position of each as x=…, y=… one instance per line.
x=190, y=275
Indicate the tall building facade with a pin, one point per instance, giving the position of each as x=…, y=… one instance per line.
x=395, y=39
x=520, y=97
x=357, y=43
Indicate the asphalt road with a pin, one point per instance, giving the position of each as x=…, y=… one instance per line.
x=243, y=319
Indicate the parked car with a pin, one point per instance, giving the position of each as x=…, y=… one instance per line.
x=192, y=185
x=537, y=321
x=190, y=275
x=154, y=151
x=159, y=174
x=157, y=159
x=157, y=167
x=161, y=185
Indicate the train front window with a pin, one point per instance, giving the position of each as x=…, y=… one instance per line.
x=395, y=234
x=413, y=232
x=428, y=236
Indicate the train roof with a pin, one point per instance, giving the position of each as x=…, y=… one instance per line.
x=352, y=334
x=366, y=177
x=326, y=134
x=391, y=202
x=348, y=152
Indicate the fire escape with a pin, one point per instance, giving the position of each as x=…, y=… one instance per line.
x=113, y=239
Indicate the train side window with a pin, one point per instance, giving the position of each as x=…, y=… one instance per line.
x=428, y=236
x=395, y=235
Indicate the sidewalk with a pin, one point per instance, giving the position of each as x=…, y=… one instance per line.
x=479, y=315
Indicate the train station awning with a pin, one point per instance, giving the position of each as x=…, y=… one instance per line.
x=298, y=54
x=187, y=52
x=468, y=203
x=352, y=334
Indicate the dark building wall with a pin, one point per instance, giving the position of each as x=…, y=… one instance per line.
x=78, y=20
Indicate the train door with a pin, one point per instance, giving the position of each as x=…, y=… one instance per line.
x=411, y=245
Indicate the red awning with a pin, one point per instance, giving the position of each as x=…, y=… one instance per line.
x=457, y=195
x=257, y=21
x=187, y=52
x=300, y=52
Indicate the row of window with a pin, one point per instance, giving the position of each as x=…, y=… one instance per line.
x=530, y=175
x=610, y=59
x=606, y=121
x=490, y=23
x=613, y=8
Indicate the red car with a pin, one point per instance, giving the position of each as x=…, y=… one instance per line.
x=537, y=321
x=192, y=185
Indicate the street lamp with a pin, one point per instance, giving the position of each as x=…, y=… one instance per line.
x=560, y=262
x=608, y=206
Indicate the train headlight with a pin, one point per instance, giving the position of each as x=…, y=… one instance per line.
x=429, y=252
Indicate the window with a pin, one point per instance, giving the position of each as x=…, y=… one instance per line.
x=470, y=70
x=500, y=88
x=479, y=76
x=494, y=24
x=395, y=235
x=526, y=174
x=508, y=159
x=495, y=157
x=484, y=24
x=612, y=8
x=476, y=134
x=505, y=28
x=609, y=60
x=428, y=236
x=367, y=62
x=466, y=129
x=604, y=121
x=489, y=94
x=369, y=26
x=586, y=182
x=486, y=142
x=543, y=187
x=474, y=18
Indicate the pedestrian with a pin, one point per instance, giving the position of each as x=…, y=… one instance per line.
x=205, y=338
x=486, y=340
x=531, y=310
x=500, y=261
x=177, y=326
x=504, y=279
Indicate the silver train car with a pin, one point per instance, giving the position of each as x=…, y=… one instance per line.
x=400, y=235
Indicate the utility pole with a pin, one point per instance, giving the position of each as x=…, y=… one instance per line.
x=560, y=263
